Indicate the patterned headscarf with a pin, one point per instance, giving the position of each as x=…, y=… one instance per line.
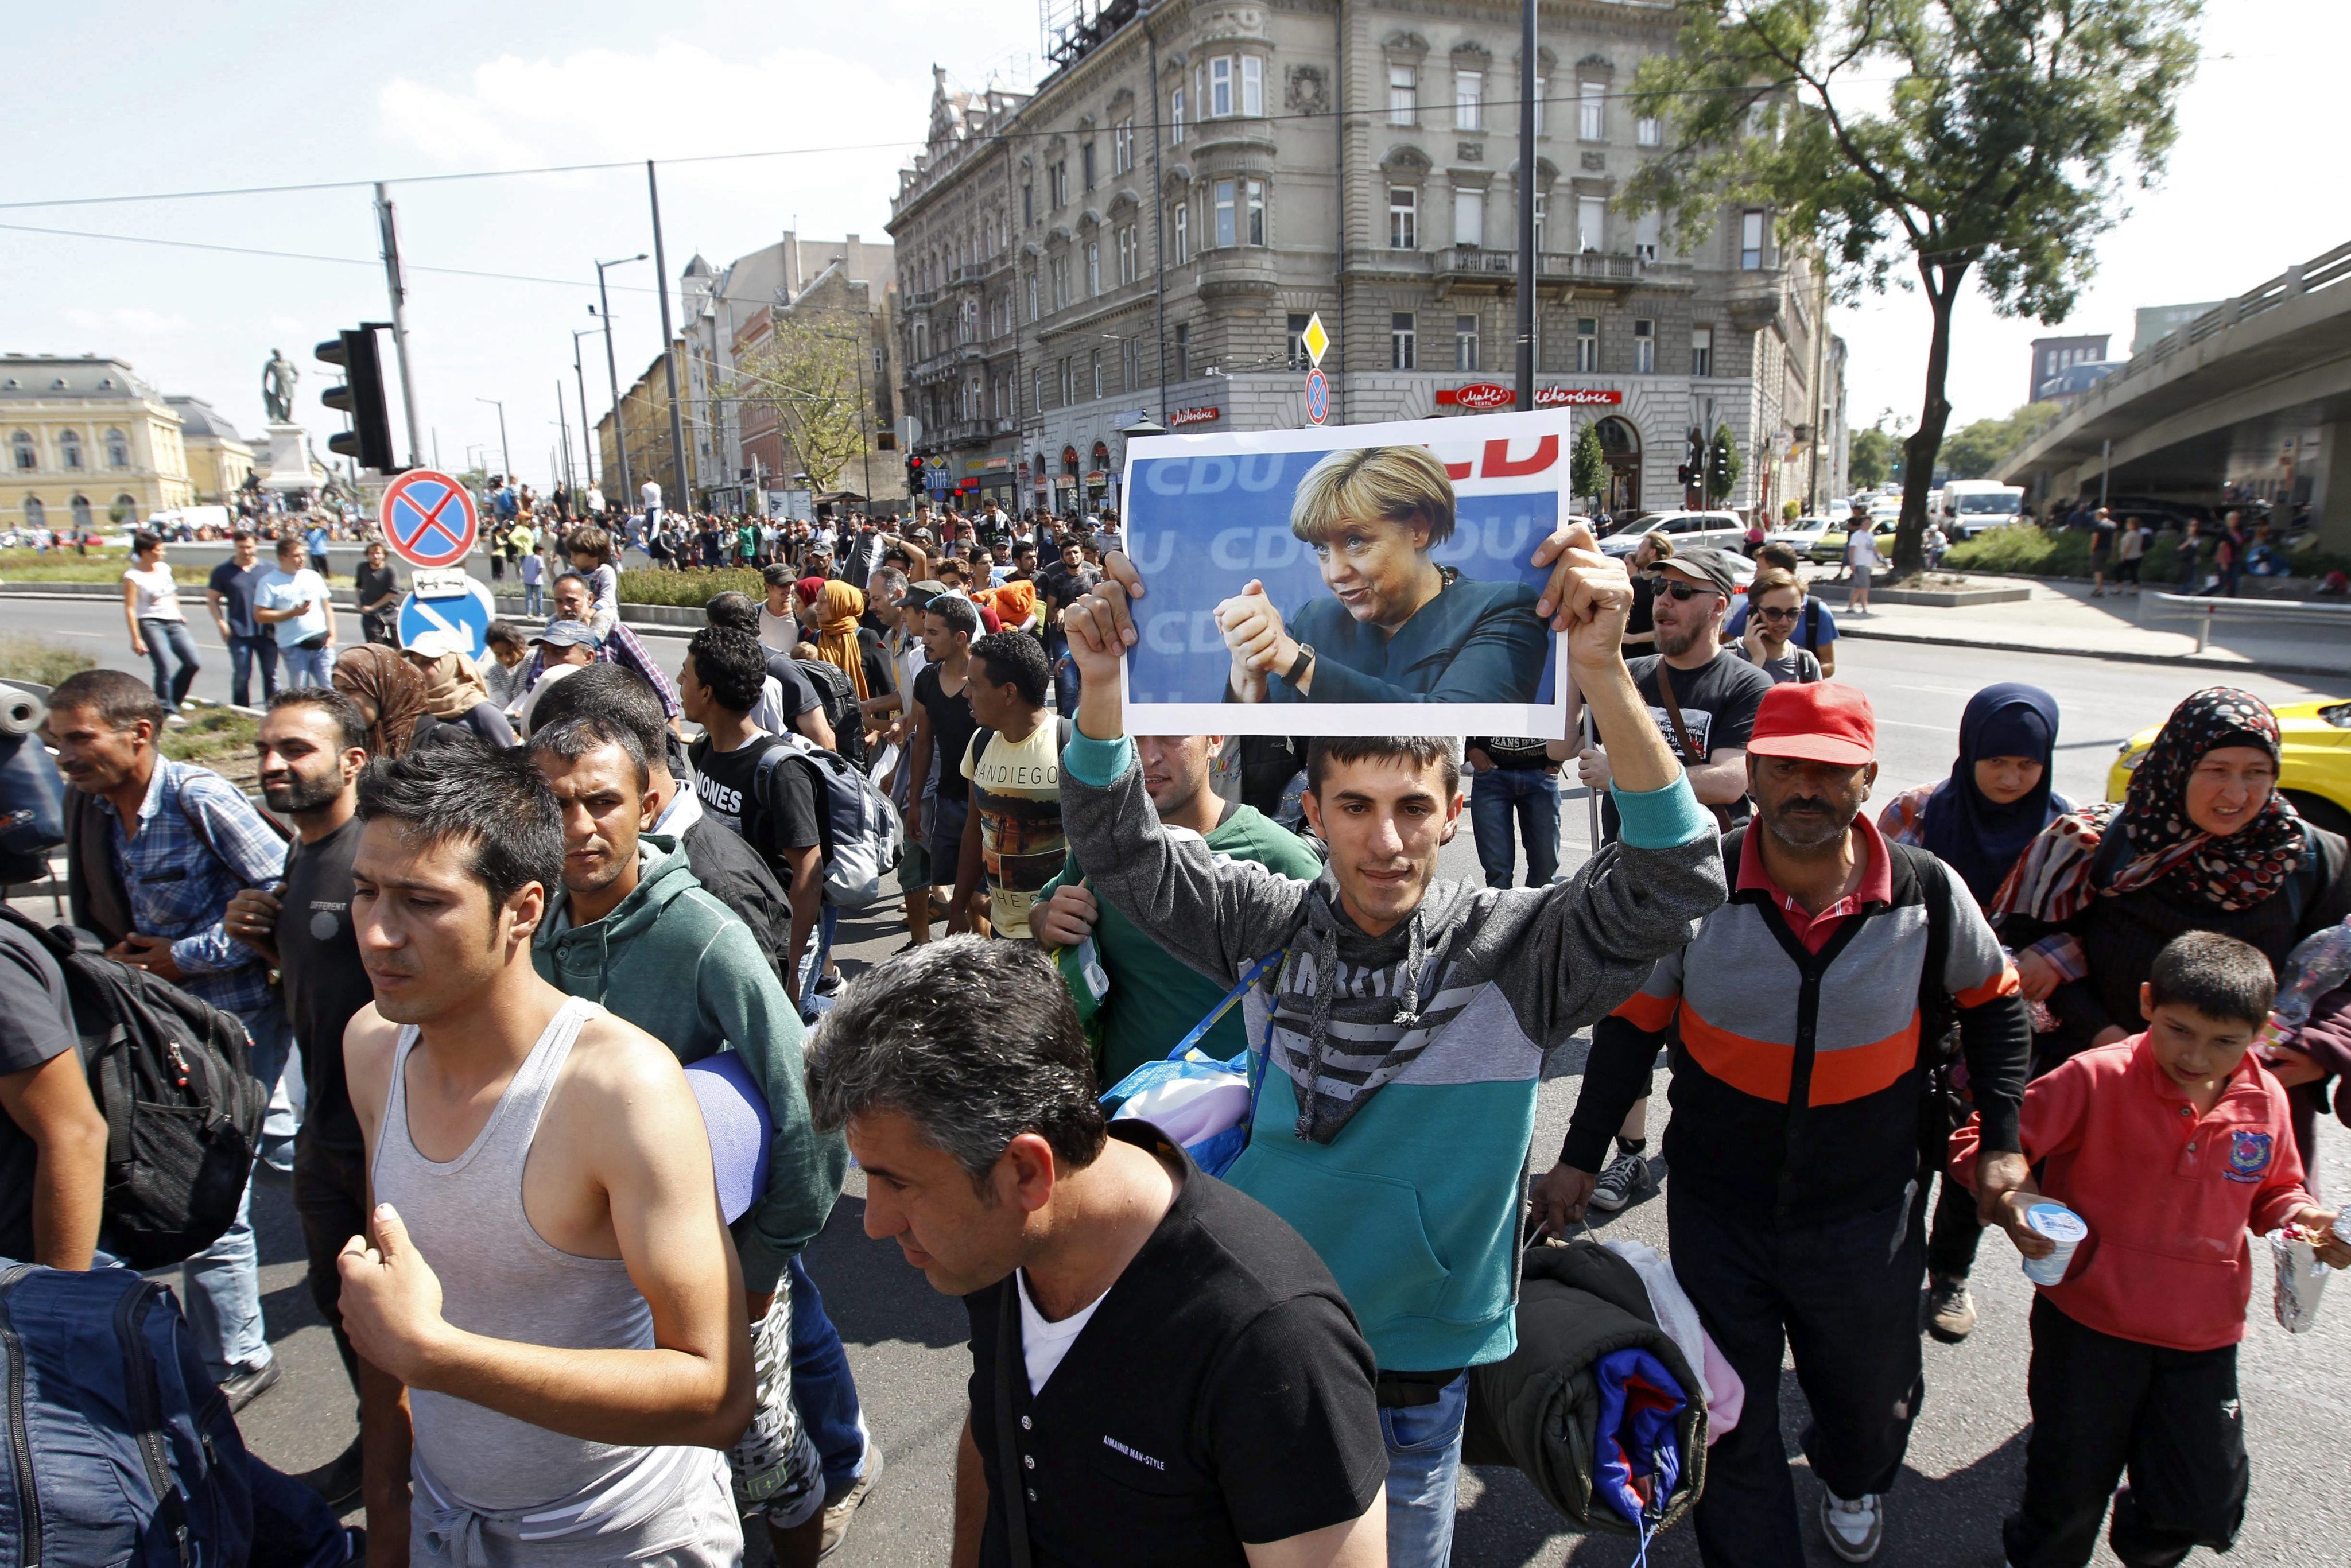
x=2052, y=881
x=388, y=690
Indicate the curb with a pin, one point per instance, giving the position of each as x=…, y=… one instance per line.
x=2192, y=660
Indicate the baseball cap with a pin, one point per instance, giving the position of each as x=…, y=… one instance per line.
x=1816, y=721
x=1711, y=566
x=434, y=643
x=569, y=634
x=921, y=593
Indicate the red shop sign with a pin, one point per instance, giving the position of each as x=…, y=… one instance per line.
x=1476, y=394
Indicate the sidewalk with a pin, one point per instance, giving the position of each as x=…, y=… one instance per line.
x=2062, y=618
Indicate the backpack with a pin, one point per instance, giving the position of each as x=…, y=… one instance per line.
x=834, y=689
x=183, y=1111
x=864, y=839
x=125, y=1452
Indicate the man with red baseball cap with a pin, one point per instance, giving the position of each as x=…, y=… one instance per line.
x=1800, y=1024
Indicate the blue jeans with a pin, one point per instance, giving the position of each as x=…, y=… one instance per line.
x=812, y=967
x=309, y=666
x=221, y=1284
x=1065, y=671
x=170, y=637
x=1424, y=1470
x=1529, y=796
x=243, y=654
x=824, y=1392
x=534, y=598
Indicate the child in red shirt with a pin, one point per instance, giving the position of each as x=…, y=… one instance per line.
x=2171, y=1146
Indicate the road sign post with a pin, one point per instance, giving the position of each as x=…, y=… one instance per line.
x=466, y=616
x=429, y=519
x=1316, y=342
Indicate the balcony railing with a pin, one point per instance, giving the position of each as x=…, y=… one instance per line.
x=1556, y=266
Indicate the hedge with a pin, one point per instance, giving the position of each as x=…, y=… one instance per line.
x=690, y=589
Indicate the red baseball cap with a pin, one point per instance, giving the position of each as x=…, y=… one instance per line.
x=1818, y=721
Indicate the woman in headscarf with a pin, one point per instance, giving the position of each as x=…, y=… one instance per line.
x=388, y=693
x=844, y=641
x=1978, y=821
x=2202, y=842
x=456, y=696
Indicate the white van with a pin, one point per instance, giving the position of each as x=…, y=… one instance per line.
x=1968, y=506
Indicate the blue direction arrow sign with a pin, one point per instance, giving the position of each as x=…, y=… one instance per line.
x=469, y=616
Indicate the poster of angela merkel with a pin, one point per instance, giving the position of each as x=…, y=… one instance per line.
x=1360, y=580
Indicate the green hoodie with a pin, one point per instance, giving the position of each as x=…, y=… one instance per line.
x=676, y=963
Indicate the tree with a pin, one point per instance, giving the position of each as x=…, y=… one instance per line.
x=1587, y=472
x=1981, y=450
x=1871, y=461
x=810, y=375
x=1723, y=466
x=1999, y=148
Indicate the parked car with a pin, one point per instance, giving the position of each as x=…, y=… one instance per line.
x=1830, y=547
x=2314, y=760
x=1803, y=533
x=1688, y=531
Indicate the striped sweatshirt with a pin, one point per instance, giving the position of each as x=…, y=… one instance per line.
x=1799, y=1080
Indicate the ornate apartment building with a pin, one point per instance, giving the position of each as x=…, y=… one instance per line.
x=1152, y=228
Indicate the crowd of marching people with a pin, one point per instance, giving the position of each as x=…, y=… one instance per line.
x=550, y=934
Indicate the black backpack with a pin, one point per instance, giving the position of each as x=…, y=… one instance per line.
x=841, y=710
x=172, y=1077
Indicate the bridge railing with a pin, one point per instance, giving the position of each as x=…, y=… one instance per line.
x=2327, y=267
x=2204, y=611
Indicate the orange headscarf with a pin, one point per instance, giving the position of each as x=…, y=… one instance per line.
x=838, y=608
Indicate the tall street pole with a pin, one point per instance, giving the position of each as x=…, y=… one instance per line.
x=1158, y=216
x=586, y=448
x=628, y=497
x=1527, y=258
x=388, y=233
x=506, y=457
x=564, y=430
x=669, y=356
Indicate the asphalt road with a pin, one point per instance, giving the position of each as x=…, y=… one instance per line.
x=1965, y=1465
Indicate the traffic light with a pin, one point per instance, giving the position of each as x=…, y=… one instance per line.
x=361, y=396
x=913, y=473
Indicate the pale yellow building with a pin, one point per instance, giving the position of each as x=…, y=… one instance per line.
x=219, y=459
x=84, y=442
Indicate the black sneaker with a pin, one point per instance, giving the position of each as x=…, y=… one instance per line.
x=1624, y=1178
x=242, y=1388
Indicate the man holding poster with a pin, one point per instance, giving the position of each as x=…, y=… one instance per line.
x=1405, y=1023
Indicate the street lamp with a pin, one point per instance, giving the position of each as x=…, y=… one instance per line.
x=586, y=448
x=505, y=456
x=612, y=372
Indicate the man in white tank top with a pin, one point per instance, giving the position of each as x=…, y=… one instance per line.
x=546, y=1271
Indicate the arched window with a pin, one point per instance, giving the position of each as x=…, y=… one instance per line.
x=118, y=450
x=28, y=457
x=125, y=509
x=70, y=447
x=37, y=515
x=81, y=513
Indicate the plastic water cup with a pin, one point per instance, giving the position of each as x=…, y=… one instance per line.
x=2062, y=1226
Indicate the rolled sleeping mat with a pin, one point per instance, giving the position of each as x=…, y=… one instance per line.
x=740, y=1128
x=21, y=713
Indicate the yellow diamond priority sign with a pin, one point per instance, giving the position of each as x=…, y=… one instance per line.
x=1314, y=338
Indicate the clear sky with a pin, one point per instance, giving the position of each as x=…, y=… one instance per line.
x=111, y=98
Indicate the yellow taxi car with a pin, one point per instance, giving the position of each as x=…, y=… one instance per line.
x=2314, y=770
x=1828, y=547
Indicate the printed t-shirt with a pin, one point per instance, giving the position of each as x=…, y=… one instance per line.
x=1717, y=704
x=781, y=818
x=1016, y=790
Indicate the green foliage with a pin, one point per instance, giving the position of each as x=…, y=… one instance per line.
x=1979, y=451
x=2009, y=132
x=690, y=589
x=217, y=738
x=24, y=658
x=1587, y=473
x=2023, y=549
x=1872, y=459
x=1790, y=510
x=1723, y=466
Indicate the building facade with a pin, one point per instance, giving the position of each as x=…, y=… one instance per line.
x=847, y=287
x=1153, y=229
x=219, y=460
x=2052, y=357
x=87, y=445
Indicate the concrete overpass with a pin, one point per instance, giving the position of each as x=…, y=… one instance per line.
x=2251, y=400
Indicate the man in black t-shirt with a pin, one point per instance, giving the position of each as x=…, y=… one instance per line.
x=1063, y=582
x=52, y=1139
x=773, y=808
x=229, y=592
x=311, y=747
x=1163, y=1371
x=943, y=730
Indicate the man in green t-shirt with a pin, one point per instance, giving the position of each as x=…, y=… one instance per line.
x=1154, y=999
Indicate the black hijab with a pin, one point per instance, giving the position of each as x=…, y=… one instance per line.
x=1970, y=832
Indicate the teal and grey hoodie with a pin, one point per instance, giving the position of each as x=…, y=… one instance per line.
x=676, y=963
x=1392, y=1130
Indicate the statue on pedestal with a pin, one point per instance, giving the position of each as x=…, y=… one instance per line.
x=278, y=378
